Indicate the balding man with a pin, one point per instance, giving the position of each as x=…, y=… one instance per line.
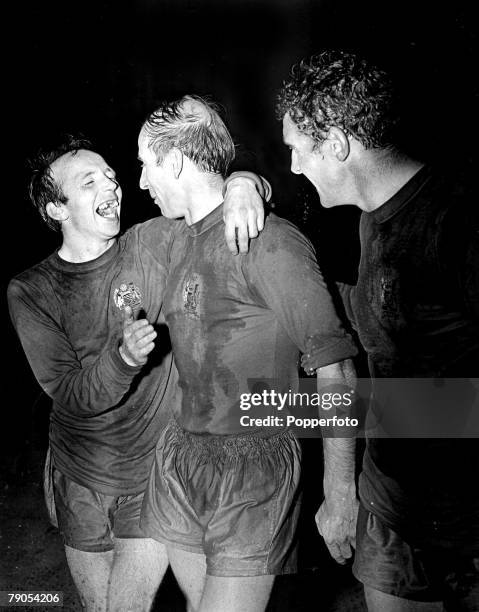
x=224, y=498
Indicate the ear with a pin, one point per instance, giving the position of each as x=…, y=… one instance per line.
x=176, y=162
x=338, y=143
x=57, y=212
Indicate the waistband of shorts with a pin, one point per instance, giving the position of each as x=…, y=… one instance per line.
x=229, y=446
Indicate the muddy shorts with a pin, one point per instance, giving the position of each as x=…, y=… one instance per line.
x=88, y=520
x=385, y=562
x=233, y=498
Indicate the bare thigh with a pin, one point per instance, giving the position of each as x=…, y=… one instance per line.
x=190, y=572
x=90, y=572
x=236, y=594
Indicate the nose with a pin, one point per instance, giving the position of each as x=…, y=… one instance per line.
x=143, y=180
x=110, y=182
x=295, y=166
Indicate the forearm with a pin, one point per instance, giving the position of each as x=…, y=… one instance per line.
x=339, y=452
x=94, y=388
x=337, y=516
x=339, y=465
x=82, y=389
x=92, y=383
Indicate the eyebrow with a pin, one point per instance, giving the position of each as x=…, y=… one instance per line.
x=84, y=175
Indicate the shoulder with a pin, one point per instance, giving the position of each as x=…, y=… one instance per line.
x=280, y=236
x=33, y=293
x=455, y=226
x=151, y=228
x=451, y=195
x=455, y=200
x=152, y=233
x=33, y=279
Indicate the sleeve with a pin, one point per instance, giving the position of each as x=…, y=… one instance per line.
x=263, y=187
x=285, y=274
x=346, y=292
x=82, y=390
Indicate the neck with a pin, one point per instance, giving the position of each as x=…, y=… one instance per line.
x=378, y=182
x=204, y=195
x=82, y=252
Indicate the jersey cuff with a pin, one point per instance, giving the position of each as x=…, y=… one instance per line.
x=120, y=366
x=321, y=351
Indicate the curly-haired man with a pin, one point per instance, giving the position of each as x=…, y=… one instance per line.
x=416, y=310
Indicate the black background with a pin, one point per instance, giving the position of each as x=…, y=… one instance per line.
x=100, y=67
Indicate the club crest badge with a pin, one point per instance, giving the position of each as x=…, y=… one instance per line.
x=191, y=296
x=128, y=294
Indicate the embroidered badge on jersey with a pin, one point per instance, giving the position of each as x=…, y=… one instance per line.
x=191, y=296
x=127, y=295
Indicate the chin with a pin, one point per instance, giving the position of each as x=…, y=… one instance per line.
x=170, y=214
x=327, y=202
x=114, y=228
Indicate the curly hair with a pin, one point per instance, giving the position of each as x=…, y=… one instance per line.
x=338, y=88
x=42, y=187
x=195, y=127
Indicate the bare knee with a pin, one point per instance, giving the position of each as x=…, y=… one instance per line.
x=139, y=565
x=236, y=594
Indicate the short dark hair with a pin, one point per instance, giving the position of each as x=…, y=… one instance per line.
x=202, y=137
x=340, y=88
x=42, y=187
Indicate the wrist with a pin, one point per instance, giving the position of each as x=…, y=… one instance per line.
x=339, y=490
x=128, y=360
x=239, y=182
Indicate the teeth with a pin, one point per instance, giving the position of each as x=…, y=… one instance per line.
x=107, y=208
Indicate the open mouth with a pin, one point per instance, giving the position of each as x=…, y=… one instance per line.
x=108, y=209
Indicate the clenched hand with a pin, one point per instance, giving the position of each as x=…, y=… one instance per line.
x=137, y=341
x=336, y=522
